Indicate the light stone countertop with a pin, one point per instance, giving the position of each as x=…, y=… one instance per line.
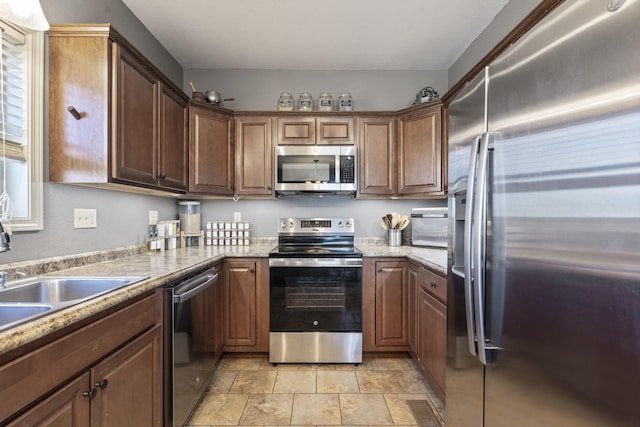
x=163, y=267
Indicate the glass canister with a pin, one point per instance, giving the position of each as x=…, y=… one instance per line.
x=189, y=213
x=305, y=103
x=325, y=102
x=345, y=103
x=285, y=103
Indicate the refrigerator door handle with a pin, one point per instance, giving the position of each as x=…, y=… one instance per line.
x=469, y=268
x=479, y=240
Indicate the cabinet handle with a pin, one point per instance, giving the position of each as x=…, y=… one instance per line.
x=102, y=384
x=71, y=109
x=91, y=393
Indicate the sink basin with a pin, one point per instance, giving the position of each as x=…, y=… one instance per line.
x=26, y=299
x=62, y=289
x=13, y=313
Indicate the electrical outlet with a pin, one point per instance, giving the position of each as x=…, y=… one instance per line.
x=153, y=217
x=237, y=216
x=84, y=218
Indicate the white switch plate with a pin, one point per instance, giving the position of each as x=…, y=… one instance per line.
x=153, y=217
x=237, y=216
x=84, y=218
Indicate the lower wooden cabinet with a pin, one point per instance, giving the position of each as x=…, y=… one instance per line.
x=429, y=318
x=115, y=364
x=246, y=305
x=384, y=305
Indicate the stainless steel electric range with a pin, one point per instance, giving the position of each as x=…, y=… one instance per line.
x=315, y=292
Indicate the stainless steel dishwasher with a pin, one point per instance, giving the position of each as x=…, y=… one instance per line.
x=188, y=370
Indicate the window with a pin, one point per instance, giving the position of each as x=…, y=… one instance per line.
x=23, y=82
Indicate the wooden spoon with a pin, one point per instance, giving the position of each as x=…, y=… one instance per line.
x=193, y=88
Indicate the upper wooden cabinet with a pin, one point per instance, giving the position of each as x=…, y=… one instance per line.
x=376, y=156
x=420, y=151
x=211, y=154
x=114, y=118
x=326, y=130
x=254, y=156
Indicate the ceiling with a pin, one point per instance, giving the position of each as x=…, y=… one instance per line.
x=316, y=35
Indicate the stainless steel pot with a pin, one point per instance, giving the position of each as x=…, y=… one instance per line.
x=214, y=97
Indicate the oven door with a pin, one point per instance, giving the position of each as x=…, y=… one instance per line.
x=315, y=310
x=310, y=295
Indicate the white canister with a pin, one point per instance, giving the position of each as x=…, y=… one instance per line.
x=325, y=102
x=345, y=103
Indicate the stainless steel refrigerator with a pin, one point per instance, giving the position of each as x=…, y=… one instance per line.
x=544, y=227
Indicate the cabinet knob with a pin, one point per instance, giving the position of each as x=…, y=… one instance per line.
x=102, y=384
x=72, y=110
x=434, y=285
x=252, y=270
x=379, y=270
x=91, y=393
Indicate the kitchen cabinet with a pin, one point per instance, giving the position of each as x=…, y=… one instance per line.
x=211, y=154
x=376, y=156
x=419, y=151
x=246, y=305
x=114, y=119
x=385, y=299
x=207, y=315
x=431, y=326
x=321, y=130
x=105, y=372
x=254, y=156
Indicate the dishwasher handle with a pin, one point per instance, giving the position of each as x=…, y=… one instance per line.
x=187, y=290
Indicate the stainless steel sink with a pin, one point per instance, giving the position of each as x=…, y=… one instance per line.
x=27, y=299
x=13, y=313
x=61, y=289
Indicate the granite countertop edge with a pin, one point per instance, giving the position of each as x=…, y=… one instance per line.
x=164, y=267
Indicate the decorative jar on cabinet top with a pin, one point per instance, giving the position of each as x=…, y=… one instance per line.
x=305, y=103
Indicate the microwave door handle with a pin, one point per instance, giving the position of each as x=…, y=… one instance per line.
x=468, y=258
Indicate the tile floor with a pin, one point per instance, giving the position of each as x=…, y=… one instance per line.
x=252, y=392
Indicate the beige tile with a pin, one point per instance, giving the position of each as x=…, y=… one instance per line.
x=222, y=381
x=378, y=382
x=367, y=409
x=412, y=382
x=219, y=409
x=254, y=382
x=268, y=366
x=337, y=382
x=295, y=382
x=400, y=412
x=391, y=364
x=267, y=409
x=241, y=364
x=313, y=409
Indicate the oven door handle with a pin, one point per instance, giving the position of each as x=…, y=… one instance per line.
x=187, y=290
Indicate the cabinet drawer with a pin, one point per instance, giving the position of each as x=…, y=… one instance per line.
x=434, y=284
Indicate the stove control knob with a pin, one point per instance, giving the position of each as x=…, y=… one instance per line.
x=348, y=224
x=340, y=224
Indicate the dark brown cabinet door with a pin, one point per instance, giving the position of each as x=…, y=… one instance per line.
x=433, y=352
x=173, y=141
x=377, y=158
x=211, y=160
x=68, y=407
x=240, y=303
x=136, y=91
x=254, y=156
x=391, y=303
x=129, y=384
x=420, y=152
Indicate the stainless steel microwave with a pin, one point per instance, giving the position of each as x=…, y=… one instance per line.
x=315, y=169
